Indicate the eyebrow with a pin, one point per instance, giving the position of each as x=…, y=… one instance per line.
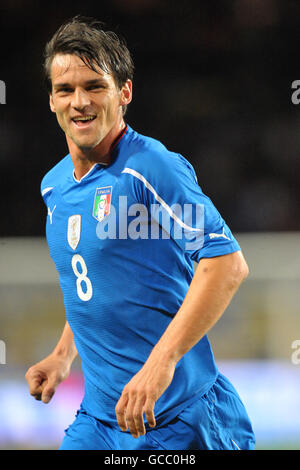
x=96, y=81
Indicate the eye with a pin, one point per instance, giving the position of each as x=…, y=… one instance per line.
x=65, y=90
x=94, y=87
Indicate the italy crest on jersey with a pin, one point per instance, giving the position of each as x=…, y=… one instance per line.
x=102, y=203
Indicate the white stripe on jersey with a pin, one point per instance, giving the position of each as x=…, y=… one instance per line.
x=235, y=444
x=160, y=200
x=46, y=190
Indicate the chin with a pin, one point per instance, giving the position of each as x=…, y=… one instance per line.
x=85, y=145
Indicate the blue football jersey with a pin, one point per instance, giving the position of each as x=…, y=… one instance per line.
x=124, y=240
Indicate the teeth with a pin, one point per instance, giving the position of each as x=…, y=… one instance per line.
x=85, y=118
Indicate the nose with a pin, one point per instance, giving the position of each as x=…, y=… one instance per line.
x=80, y=99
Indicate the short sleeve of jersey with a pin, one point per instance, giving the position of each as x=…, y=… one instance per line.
x=167, y=184
x=55, y=176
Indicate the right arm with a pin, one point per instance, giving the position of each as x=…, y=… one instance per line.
x=44, y=377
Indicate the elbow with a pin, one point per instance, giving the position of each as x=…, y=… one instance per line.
x=239, y=271
x=244, y=272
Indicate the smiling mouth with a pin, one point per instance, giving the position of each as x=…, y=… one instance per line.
x=83, y=121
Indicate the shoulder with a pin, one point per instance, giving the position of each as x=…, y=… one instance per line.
x=154, y=161
x=57, y=174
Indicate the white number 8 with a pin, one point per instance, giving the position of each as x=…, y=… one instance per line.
x=82, y=278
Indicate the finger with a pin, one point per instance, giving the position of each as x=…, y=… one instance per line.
x=149, y=412
x=49, y=388
x=37, y=392
x=35, y=385
x=120, y=410
x=48, y=393
x=131, y=425
x=138, y=416
x=129, y=416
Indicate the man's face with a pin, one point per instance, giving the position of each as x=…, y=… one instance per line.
x=88, y=104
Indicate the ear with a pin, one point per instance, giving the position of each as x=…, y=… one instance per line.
x=51, y=103
x=126, y=93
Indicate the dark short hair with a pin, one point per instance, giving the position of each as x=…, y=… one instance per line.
x=86, y=38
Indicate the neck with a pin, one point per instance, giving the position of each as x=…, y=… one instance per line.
x=84, y=159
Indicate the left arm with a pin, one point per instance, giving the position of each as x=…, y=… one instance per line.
x=214, y=284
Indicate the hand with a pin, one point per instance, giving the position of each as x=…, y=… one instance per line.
x=44, y=377
x=141, y=393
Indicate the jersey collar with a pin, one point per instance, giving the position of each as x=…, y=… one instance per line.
x=113, y=147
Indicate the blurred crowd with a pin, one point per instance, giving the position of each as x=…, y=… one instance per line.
x=212, y=82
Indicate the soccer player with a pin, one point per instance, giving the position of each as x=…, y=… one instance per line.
x=126, y=222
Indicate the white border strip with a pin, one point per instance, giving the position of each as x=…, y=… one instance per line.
x=160, y=200
x=89, y=172
x=46, y=190
x=84, y=176
x=235, y=444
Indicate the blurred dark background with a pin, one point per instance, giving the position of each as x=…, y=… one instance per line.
x=212, y=82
